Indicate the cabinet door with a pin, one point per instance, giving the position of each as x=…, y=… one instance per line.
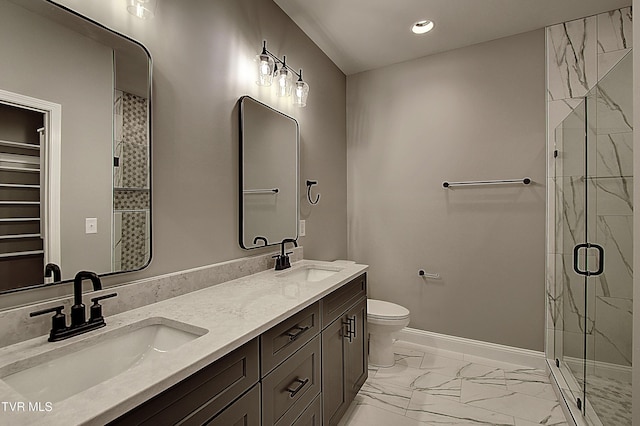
x=344, y=361
x=243, y=412
x=203, y=394
x=335, y=399
x=357, y=360
x=312, y=415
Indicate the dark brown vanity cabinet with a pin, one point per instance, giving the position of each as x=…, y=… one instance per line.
x=344, y=349
x=304, y=371
x=244, y=412
x=207, y=394
x=290, y=357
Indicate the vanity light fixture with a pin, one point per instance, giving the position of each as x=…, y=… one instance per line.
x=300, y=92
x=266, y=67
x=143, y=9
x=271, y=68
x=422, y=27
x=284, y=79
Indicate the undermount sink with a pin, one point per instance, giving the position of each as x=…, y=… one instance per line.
x=62, y=373
x=311, y=273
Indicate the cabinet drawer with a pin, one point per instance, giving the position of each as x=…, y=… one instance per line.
x=337, y=302
x=292, y=386
x=312, y=416
x=243, y=412
x=282, y=340
x=202, y=395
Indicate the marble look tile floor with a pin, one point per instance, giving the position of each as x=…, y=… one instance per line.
x=611, y=399
x=428, y=386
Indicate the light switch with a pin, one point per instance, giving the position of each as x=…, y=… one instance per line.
x=91, y=225
x=302, y=230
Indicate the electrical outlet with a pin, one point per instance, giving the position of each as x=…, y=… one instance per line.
x=302, y=229
x=91, y=225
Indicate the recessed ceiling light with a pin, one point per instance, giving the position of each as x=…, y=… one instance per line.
x=422, y=27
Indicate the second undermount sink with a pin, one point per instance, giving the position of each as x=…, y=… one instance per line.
x=62, y=373
x=311, y=273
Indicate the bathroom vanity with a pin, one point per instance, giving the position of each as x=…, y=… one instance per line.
x=276, y=347
x=279, y=376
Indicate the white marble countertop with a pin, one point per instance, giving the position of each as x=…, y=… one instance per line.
x=233, y=313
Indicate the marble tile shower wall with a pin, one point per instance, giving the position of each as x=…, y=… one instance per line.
x=17, y=326
x=131, y=243
x=580, y=54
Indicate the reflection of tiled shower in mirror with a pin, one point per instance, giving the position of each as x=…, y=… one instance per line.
x=131, y=203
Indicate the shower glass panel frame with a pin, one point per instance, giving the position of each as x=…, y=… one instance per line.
x=593, y=277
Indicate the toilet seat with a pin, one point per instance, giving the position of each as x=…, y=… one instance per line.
x=381, y=310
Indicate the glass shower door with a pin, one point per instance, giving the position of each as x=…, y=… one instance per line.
x=574, y=327
x=593, y=246
x=609, y=135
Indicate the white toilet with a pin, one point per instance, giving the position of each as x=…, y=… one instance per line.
x=383, y=319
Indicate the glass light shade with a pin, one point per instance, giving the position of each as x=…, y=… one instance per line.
x=300, y=93
x=284, y=81
x=143, y=9
x=265, y=69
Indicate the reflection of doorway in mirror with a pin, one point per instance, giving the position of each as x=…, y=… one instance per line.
x=29, y=189
x=131, y=220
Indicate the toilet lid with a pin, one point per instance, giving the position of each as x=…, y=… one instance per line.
x=381, y=309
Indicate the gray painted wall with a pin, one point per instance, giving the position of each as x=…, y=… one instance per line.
x=476, y=113
x=44, y=60
x=636, y=223
x=203, y=62
x=452, y=116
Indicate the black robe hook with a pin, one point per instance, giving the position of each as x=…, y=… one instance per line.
x=310, y=183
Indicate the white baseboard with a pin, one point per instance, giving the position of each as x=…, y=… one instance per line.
x=474, y=348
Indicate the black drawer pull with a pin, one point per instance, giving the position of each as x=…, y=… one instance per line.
x=351, y=332
x=301, y=383
x=296, y=331
x=355, y=326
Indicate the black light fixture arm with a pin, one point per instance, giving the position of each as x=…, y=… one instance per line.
x=280, y=62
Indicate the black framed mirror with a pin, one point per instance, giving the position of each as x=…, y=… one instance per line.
x=269, y=157
x=75, y=147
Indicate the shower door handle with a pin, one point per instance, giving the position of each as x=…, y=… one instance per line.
x=588, y=273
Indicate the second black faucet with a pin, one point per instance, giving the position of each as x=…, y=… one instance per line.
x=282, y=259
x=78, y=311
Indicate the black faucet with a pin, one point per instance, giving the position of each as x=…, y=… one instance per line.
x=54, y=269
x=78, y=313
x=282, y=259
x=79, y=324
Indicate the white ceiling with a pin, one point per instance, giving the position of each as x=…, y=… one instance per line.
x=359, y=35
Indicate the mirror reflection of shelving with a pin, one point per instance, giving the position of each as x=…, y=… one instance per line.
x=78, y=149
x=21, y=244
